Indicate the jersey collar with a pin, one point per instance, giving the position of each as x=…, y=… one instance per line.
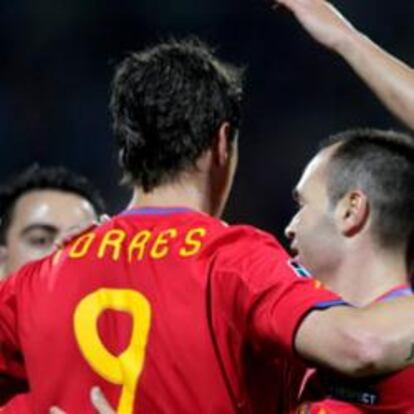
x=155, y=211
x=395, y=292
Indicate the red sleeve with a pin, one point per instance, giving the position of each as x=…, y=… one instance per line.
x=265, y=294
x=278, y=310
x=12, y=369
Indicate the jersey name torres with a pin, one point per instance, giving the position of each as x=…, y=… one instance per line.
x=166, y=309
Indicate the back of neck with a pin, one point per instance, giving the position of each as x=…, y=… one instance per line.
x=171, y=195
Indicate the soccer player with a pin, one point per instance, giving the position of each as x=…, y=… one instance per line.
x=354, y=231
x=165, y=307
x=37, y=208
x=389, y=78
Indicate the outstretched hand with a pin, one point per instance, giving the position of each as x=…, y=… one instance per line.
x=98, y=400
x=321, y=20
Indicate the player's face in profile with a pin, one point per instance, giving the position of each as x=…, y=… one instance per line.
x=39, y=218
x=315, y=240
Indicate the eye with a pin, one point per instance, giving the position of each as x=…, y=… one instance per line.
x=298, y=203
x=297, y=199
x=40, y=239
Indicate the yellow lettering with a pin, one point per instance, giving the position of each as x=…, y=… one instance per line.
x=138, y=244
x=160, y=248
x=112, y=239
x=126, y=368
x=193, y=245
x=81, y=246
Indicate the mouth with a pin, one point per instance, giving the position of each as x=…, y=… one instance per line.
x=294, y=251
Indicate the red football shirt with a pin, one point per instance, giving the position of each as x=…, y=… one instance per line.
x=167, y=310
x=385, y=394
x=20, y=404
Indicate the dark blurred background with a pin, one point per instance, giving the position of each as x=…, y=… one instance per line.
x=57, y=59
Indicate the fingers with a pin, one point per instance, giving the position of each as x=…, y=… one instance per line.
x=103, y=218
x=99, y=402
x=56, y=410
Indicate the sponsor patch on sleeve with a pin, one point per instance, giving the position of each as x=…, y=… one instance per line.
x=299, y=269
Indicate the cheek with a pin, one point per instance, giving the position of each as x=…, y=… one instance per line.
x=318, y=243
x=306, y=224
x=311, y=233
x=17, y=256
x=25, y=252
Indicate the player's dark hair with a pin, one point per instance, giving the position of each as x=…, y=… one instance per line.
x=381, y=164
x=167, y=103
x=44, y=178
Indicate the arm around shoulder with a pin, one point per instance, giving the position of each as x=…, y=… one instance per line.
x=360, y=342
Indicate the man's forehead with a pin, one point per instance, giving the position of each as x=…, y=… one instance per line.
x=316, y=168
x=51, y=206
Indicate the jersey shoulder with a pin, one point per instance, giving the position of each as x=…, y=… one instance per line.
x=237, y=243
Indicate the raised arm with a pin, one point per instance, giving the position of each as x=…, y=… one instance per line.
x=360, y=342
x=389, y=78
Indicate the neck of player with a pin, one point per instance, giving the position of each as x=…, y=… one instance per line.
x=192, y=195
x=365, y=274
x=204, y=187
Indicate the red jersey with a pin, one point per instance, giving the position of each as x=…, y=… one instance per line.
x=20, y=404
x=385, y=394
x=167, y=310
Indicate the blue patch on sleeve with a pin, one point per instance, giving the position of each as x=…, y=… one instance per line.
x=299, y=269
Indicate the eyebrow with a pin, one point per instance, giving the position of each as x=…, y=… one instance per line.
x=39, y=226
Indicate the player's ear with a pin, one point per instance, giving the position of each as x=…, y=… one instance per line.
x=352, y=213
x=222, y=145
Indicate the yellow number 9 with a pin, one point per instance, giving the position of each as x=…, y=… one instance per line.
x=126, y=368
